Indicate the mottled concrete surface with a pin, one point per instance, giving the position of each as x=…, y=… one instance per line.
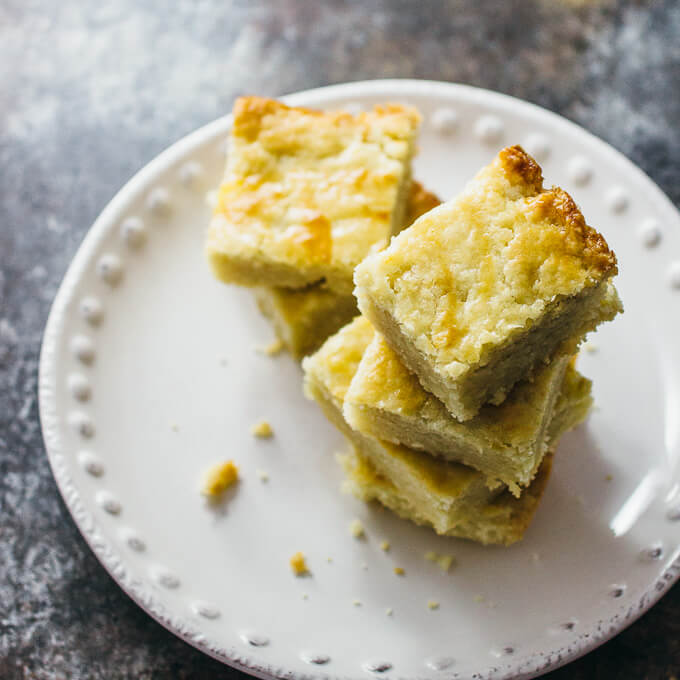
x=89, y=92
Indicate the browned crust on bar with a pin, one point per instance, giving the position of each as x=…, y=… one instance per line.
x=249, y=111
x=521, y=167
x=559, y=207
x=419, y=202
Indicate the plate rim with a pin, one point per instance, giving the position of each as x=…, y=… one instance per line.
x=523, y=666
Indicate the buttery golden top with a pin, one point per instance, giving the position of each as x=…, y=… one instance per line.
x=467, y=274
x=383, y=382
x=309, y=187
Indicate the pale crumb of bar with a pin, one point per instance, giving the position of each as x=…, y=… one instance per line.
x=445, y=561
x=174, y=427
x=491, y=605
x=298, y=564
x=356, y=603
x=329, y=560
x=385, y=546
x=274, y=348
x=263, y=476
x=399, y=571
x=535, y=557
x=305, y=596
x=432, y=604
x=389, y=611
x=581, y=500
x=219, y=478
x=356, y=528
x=608, y=478
x=590, y=347
x=263, y=430
x=479, y=598
x=431, y=556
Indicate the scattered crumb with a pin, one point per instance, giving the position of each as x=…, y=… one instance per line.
x=385, y=546
x=329, y=560
x=389, y=611
x=479, y=598
x=219, y=478
x=535, y=557
x=174, y=427
x=581, y=500
x=262, y=429
x=298, y=564
x=399, y=571
x=356, y=528
x=444, y=562
x=272, y=349
x=264, y=476
x=590, y=347
x=305, y=596
x=364, y=566
x=432, y=604
x=491, y=605
x=609, y=478
x=356, y=603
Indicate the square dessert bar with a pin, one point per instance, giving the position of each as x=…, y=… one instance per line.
x=454, y=499
x=303, y=318
x=506, y=442
x=307, y=195
x=480, y=291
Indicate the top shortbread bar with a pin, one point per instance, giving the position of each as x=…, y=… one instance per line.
x=307, y=194
x=480, y=290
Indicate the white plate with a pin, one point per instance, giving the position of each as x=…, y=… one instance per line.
x=149, y=374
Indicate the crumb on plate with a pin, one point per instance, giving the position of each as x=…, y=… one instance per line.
x=432, y=604
x=385, y=546
x=219, y=478
x=298, y=564
x=262, y=429
x=274, y=348
x=356, y=528
x=399, y=571
x=263, y=476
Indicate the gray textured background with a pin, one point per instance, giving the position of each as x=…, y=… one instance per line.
x=89, y=94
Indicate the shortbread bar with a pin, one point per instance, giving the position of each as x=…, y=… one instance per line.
x=307, y=194
x=452, y=498
x=303, y=318
x=480, y=291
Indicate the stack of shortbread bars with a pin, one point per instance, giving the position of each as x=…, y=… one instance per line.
x=454, y=380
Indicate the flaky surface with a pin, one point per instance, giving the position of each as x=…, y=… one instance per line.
x=303, y=318
x=307, y=194
x=505, y=442
x=463, y=286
